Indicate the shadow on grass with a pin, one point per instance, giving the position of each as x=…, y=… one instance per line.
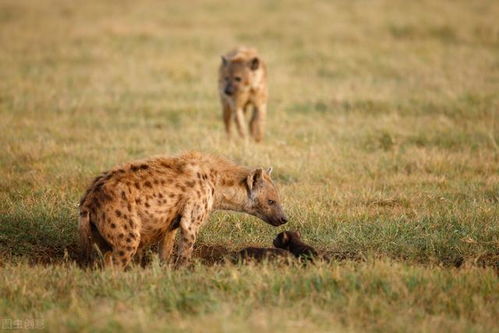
x=39, y=237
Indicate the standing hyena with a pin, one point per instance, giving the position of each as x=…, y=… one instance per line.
x=142, y=203
x=242, y=82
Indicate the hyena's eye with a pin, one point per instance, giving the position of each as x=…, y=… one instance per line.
x=238, y=79
x=271, y=202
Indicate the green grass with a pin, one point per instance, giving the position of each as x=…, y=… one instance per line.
x=380, y=295
x=382, y=131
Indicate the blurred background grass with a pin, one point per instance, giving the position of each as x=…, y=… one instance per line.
x=382, y=125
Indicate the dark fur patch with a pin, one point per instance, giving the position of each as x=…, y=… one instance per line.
x=144, y=166
x=263, y=253
x=148, y=184
x=108, y=176
x=102, y=195
x=118, y=213
x=175, y=222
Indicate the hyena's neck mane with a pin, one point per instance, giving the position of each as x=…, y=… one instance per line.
x=231, y=192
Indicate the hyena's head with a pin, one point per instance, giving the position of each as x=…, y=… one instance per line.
x=237, y=76
x=263, y=198
x=285, y=238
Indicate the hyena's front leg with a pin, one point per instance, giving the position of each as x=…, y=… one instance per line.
x=189, y=226
x=227, y=115
x=240, y=123
x=257, y=123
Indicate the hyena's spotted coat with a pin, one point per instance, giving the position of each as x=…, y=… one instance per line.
x=141, y=203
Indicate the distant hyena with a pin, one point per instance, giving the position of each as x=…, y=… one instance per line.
x=242, y=83
x=142, y=203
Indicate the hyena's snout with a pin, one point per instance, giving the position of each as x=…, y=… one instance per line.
x=278, y=217
x=282, y=219
x=229, y=90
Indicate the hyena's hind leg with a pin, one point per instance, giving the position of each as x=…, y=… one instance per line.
x=125, y=242
x=257, y=122
x=166, y=246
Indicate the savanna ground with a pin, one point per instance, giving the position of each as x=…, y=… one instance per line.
x=382, y=132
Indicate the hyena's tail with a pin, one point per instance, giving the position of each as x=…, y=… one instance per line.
x=85, y=231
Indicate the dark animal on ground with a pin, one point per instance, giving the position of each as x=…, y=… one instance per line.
x=291, y=241
x=259, y=254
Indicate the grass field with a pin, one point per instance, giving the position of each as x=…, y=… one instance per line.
x=382, y=131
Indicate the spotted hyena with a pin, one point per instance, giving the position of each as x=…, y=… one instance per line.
x=242, y=83
x=133, y=206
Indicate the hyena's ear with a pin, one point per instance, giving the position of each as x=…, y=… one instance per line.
x=269, y=171
x=254, y=63
x=254, y=179
x=284, y=237
x=224, y=60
